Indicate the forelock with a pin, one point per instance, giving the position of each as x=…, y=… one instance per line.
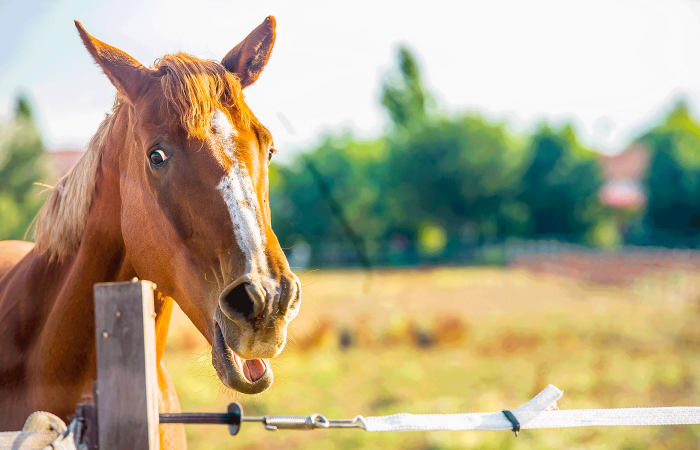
x=195, y=89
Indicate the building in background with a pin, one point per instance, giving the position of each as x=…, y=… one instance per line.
x=623, y=178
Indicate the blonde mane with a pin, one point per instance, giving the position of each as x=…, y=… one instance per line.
x=194, y=89
x=61, y=221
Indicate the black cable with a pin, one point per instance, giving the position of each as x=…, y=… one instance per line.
x=337, y=210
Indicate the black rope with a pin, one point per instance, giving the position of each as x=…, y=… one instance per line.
x=511, y=418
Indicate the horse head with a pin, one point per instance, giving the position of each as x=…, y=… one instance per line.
x=195, y=215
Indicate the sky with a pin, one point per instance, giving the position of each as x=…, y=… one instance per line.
x=611, y=67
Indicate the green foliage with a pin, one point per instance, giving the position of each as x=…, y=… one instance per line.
x=436, y=182
x=353, y=170
x=453, y=172
x=21, y=165
x=673, y=178
x=404, y=97
x=560, y=186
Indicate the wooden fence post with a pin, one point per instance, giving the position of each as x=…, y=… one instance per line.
x=127, y=391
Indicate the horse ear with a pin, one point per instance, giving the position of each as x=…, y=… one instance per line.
x=126, y=74
x=248, y=58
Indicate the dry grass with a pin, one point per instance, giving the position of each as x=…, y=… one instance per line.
x=465, y=340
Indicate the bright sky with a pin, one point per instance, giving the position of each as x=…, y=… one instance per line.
x=612, y=67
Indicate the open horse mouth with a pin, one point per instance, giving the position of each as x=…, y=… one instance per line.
x=249, y=376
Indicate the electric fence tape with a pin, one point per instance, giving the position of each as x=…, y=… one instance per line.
x=540, y=412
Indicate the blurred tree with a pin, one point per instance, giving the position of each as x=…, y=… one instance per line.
x=21, y=165
x=436, y=182
x=404, y=97
x=560, y=186
x=673, y=178
x=458, y=173
x=355, y=172
x=352, y=170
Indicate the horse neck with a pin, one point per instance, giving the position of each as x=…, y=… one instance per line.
x=52, y=301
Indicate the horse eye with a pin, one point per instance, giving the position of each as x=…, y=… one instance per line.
x=272, y=152
x=158, y=157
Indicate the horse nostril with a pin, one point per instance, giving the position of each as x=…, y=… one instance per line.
x=238, y=301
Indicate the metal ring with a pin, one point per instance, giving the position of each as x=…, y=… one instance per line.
x=319, y=421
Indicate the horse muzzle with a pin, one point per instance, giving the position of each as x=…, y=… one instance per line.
x=250, y=326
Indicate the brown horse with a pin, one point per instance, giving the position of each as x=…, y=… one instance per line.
x=173, y=188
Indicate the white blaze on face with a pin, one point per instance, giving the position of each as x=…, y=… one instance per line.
x=222, y=126
x=242, y=201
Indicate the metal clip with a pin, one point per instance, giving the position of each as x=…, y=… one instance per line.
x=274, y=423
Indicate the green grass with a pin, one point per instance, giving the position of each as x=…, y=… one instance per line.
x=604, y=347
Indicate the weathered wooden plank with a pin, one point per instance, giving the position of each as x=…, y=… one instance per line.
x=127, y=400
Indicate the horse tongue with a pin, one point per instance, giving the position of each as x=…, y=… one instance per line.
x=253, y=369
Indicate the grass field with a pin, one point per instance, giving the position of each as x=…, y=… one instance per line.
x=456, y=340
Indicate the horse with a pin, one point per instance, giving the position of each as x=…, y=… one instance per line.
x=172, y=188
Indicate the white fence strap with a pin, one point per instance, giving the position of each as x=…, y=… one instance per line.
x=540, y=412
x=680, y=415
